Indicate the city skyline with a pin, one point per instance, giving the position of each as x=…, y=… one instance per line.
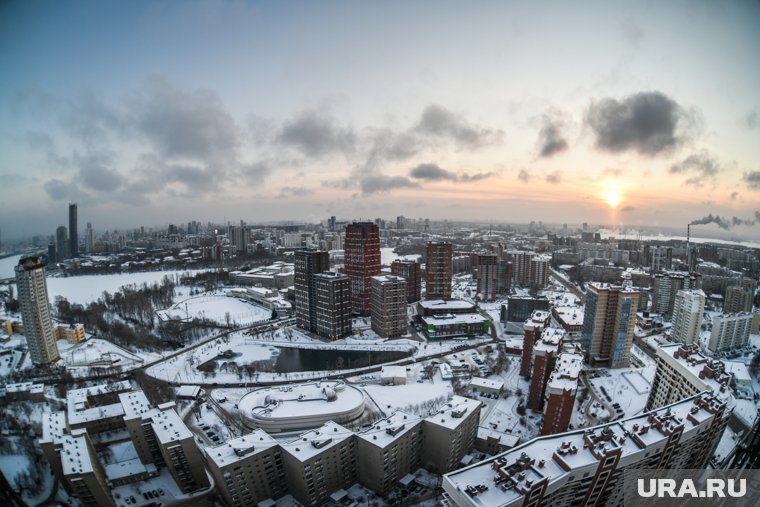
x=601, y=112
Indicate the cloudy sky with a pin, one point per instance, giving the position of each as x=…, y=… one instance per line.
x=147, y=113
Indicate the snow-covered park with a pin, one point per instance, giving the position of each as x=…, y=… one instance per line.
x=217, y=308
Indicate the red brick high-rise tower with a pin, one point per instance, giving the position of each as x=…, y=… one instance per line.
x=362, y=261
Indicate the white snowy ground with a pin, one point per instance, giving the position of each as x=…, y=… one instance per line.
x=501, y=414
x=627, y=386
x=217, y=308
x=85, y=289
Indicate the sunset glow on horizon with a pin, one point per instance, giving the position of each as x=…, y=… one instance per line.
x=260, y=111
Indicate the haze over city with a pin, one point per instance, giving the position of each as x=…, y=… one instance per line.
x=602, y=112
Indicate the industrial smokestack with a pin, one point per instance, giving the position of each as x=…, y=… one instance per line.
x=688, y=248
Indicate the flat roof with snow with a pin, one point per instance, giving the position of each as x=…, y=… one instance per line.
x=454, y=412
x=386, y=431
x=169, y=427
x=439, y=305
x=485, y=383
x=240, y=448
x=314, y=442
x=557, y=457
x=188, y=391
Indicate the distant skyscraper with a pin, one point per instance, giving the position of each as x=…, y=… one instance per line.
x=687, y=315
x=61, y=243
x=488, y=273
x=362, y=262
x=439, y=270
x=307, y=264
x=35, y=310
x=412, y=272
x=89, y=239
x=608, y=324
x=738, y=299
x=73, y=236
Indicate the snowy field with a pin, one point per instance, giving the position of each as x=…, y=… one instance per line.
x=216, y=308
x=85, y=289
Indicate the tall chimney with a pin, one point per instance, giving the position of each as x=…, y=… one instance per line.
x=688, y=248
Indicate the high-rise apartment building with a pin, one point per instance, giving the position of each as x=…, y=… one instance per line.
x=362, y=262
x=739, y=298
x=89, y=239
x=439, y=270
x=450, y=434
x=660, y=258
x=687, y=315
x=487, y=276
x=560, y=393
x=682, y=371
x=388, y=450
x=82, y=472
x=308, y=263
x=239, y=236
x=529, y=268
x=248, y=469
x=545, y=352
x=532, y=329
x=319, y=462
x=73, y=234
x=35, y=311
x=586, y=467
x=666, y=285
x=412, y=272
x=730, y=331
x=61, y=243
x=608, y=324
x=388, y=306
x=333, y=305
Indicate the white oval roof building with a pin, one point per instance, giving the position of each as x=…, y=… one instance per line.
x=298, y=407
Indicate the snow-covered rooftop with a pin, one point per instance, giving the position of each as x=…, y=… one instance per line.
x=705, y=372
x=314, y=442
x=79, y=410
x=566, y=371
x=314, y=401
x=557, y=457
x=487, y=383
x=388, y=430
x=439, y=305
x=53, y=426
x=462, y=318
x=240, y=448
x=570, y=315
x=550, y=340
x=135, y=404
x=454, y=412
x=75, y=456
x=122, y=469
x=169, y=427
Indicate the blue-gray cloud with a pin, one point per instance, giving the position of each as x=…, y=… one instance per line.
x=317, y=133
x=701, y=167
x=551, y=138
x=752, y=179
x=650, y=123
